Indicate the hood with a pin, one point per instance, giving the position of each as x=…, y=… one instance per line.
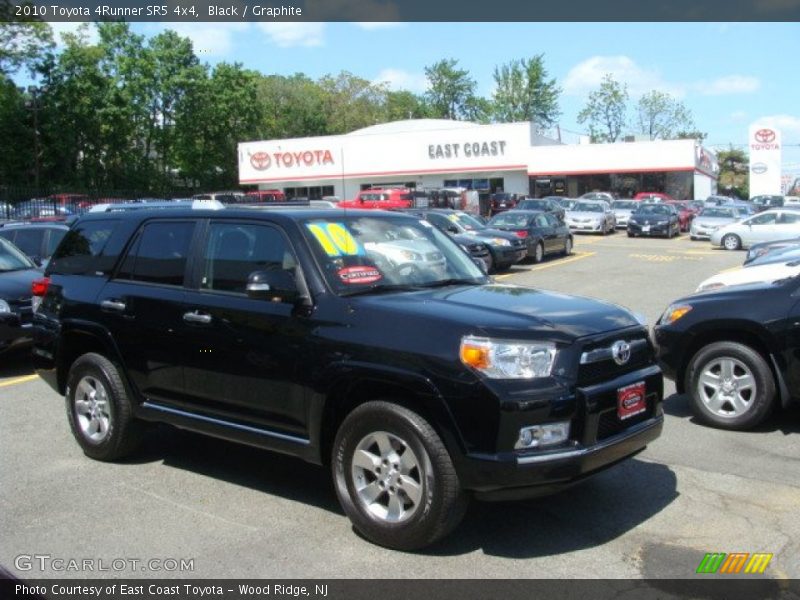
x=649, y=217
x=16, y=285
x=585, y=215
x=622, y=211
x=714, y=220
x=506, y=311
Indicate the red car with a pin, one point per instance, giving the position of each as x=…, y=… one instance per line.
x=385, y=199
x=653, y=197
x=686, y=213
x=266, y=196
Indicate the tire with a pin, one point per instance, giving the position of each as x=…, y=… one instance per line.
x=538, y=254
x=693, y=238
x=630, y=234
x=731, y=241
x=391, y=518
x=568, y=246
x=744, y=406
x=490, y=268
x=99, y=409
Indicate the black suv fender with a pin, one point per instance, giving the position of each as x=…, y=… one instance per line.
x=348, y=384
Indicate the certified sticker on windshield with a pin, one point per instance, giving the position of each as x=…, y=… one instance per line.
x=359, y=275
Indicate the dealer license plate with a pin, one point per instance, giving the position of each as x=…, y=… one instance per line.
x=631, y=400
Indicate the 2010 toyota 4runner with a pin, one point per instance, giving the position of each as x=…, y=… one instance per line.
x=364, y=340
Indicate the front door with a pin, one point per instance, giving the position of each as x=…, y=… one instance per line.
x=244, y=354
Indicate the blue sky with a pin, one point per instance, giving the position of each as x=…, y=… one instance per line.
x=727, y=74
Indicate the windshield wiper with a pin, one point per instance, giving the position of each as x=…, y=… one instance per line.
x=382, y=287
x=452, y=281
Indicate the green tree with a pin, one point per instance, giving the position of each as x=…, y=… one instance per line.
x=403, y=104
x=352, y=102
x=605, y=110
x=524, y=93
x=451, y=91
x=22, y=44
x=16, y=131
x=734, y=172
x=661, y=116
x=291, y=106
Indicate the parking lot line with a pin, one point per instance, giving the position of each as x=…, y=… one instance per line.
x=17, y=380
x=573, y=258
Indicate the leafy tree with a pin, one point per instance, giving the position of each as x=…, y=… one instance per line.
x=605, y=110
x=661, y=116
x=291, y=107
x=691, y=134
x=16, y=131
x=451, y=91
x=734, y=172
x=351, y=102
x=403, y=104
x=22, y=44
x=523, y=93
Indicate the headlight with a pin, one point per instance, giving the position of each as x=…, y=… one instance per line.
x=4, y=307
x=507, y=359
x=409, y=255
x=673, y=313
x=501, y=242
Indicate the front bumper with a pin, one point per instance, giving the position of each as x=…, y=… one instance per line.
x=505, y=256
x=592, y=227
x=652, y=229
x=599, y=440
x=703, y=233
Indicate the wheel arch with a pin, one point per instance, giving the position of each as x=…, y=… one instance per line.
x=410, y=390
x=78, y=339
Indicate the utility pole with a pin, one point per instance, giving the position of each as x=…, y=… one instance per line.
x=34, y=106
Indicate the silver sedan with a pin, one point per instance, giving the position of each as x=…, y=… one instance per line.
x=711, y=219
x=591, y=217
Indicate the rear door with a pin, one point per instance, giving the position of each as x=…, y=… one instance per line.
x=142, y=304
x=761, y=228
x=244, y=355
x=544, y=229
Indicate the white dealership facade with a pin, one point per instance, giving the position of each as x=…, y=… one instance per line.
x=509, y=157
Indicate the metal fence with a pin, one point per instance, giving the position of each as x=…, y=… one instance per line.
x=20, y=203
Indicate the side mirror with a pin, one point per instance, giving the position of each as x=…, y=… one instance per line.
x=452, y=229
x=275, y=286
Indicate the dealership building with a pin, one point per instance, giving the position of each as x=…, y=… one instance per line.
x=509, y=157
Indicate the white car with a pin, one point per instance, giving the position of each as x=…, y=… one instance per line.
x=759, y=274
x=767, y=226
x=622, y=210
x=591, y=216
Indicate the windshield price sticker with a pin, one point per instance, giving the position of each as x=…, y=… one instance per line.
x=335, y=239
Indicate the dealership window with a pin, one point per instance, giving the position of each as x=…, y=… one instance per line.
x=483, y=184
x=312, y=193
x=678, y=184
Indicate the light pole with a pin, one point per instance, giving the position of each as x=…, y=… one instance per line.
x=34, y=106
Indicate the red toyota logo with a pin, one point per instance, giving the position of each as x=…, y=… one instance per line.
x=765, y=136
x=260, y=161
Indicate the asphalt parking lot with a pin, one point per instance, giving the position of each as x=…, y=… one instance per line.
x=241, y=512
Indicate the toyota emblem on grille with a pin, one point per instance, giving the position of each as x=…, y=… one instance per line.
x=621, y=352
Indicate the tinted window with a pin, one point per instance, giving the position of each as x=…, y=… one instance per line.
x=234, y=250
x=11, y=259
x=790, y=217
x=159, y=253
x=56, y=235
x=516, y=220
x=552, y=220
x=540, y=221
x=763, y=219
x=83, y=250
x=29, y=241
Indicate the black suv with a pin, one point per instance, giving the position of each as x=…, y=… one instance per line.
x=359, y=339
x=735, y=351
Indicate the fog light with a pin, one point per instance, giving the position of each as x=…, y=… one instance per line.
x=540, y=436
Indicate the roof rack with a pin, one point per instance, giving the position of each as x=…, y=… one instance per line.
x=125, y=206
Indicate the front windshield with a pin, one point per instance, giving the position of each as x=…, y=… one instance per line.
x=718, y=213
x=12, y=259
x=653, y=209
x=587, y=207
x=625, y=204
x=594, y=196
x=363, y=254
x=467, y=221
x=531, y=204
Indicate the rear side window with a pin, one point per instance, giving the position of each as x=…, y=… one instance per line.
x=159, y=253
x=56, y=235
x=30, y=241
x=85, y=249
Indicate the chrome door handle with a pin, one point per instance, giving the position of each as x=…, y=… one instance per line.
x=115, y=305
x=197, y=317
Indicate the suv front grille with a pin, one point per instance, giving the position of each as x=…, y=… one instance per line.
x=596, y=371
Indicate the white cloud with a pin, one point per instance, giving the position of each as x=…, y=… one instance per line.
x=785, y=123
x=60, y=28
x=398, y=79
x=729, y=84
x=373, y=25
x=587, y=76
x=289, y=34
x=208, y=39
x=738, y=115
